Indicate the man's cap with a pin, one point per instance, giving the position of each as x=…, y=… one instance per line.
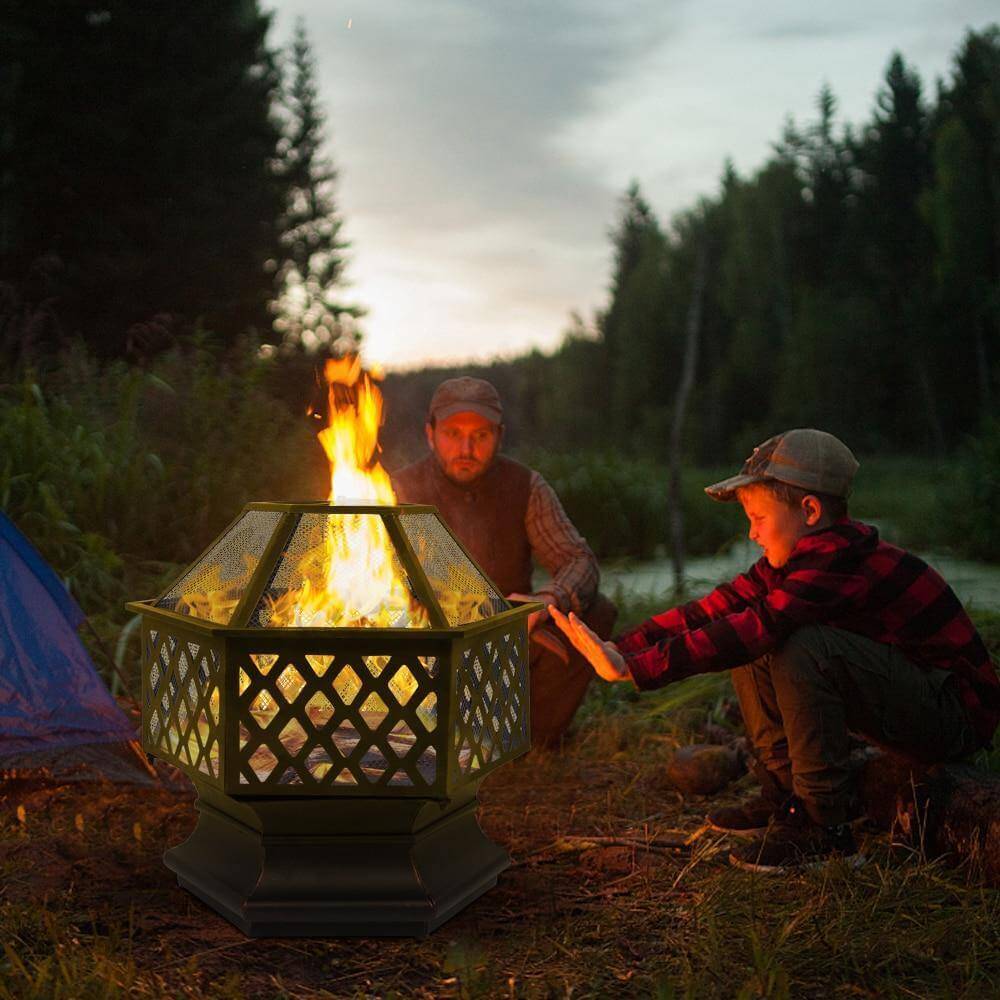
x=810, y=459
x=466, y=395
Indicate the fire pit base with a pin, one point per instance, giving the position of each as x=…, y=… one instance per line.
x=344, y=868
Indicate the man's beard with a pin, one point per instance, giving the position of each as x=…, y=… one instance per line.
x=471, y=477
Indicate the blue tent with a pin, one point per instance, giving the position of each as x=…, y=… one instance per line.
x=51, y=697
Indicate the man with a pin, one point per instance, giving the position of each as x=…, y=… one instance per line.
x=506, y=515
x=831, y=631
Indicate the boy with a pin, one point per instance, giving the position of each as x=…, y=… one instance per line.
x=831, y=630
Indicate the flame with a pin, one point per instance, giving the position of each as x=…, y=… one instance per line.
x=355, y=579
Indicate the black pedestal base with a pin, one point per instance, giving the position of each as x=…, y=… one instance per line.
x=271, y=880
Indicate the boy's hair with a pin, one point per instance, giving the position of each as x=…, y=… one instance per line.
x=792, y=496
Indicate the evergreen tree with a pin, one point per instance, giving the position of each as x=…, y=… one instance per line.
x=824, y=162
x=758, y=223
x=138, y=147
x=896, y=245
x=633, y=327
x=965, y=213
x=308, y=310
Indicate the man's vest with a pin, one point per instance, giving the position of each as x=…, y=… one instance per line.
x=487, y=516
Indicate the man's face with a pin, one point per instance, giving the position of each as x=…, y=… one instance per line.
x=464, y=445
x=774, y=525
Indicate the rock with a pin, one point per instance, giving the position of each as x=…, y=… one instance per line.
x=704, y=769
x=950, y=810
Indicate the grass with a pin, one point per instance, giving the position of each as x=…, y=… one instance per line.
x=87, y=909
x=112, y=490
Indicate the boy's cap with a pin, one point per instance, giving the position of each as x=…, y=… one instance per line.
x=807, y=458
x=466, y=395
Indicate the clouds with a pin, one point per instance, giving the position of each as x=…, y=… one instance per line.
x=482, y=145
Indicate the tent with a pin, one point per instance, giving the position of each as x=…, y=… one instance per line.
x=55, y=710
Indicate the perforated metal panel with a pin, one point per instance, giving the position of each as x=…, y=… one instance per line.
x=213, y=586
x=299, y=591
x=320, y=720
x=464, y=594
x=380, y=710
x=183, y=701
x=491, y=688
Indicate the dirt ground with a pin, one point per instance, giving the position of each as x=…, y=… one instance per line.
x=87, y=907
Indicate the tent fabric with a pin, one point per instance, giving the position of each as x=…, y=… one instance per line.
x=51, y=696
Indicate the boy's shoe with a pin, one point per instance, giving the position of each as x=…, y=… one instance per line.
x=795, y=842
x=749, y=819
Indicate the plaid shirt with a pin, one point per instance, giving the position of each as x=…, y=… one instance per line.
x=841, y=576
x=560, y=549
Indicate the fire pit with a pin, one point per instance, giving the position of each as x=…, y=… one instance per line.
x=335, y=724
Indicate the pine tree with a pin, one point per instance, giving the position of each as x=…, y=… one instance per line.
x=634, y=323
x=138, y=147
x=308, y=311
x=965, y=212
x=897, y=248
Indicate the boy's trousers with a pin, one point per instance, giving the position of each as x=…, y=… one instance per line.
x=800, y=702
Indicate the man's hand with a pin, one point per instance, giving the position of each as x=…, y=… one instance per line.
x=536, y=617
x=602, y=656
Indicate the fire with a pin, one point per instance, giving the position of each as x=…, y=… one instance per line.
x=355, y=578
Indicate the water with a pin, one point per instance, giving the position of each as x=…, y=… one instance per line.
x=976, y=584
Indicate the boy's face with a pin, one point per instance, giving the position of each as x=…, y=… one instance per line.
x=774, y=525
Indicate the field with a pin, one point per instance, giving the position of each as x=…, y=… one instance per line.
x=596, y=903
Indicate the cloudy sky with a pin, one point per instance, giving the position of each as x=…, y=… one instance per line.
x=483, y=144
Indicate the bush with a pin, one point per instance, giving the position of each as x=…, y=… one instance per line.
x=105, y=466
x=970, y=502
x=620, y=505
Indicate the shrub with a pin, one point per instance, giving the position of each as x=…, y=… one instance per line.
x=968, y=505
x=619, y=504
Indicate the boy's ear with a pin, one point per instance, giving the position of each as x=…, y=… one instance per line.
x=812, y=507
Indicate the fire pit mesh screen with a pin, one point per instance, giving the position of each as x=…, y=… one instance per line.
x=491, y=687
x=322, y=720
x=212, y=588
x=183, y=699
x=304, y=564
x=464, y=594
x=405, y=690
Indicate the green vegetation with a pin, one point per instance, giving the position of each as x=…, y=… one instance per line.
x=95, y=917
x=121, y=474
x=851, y=285
x=163, y=170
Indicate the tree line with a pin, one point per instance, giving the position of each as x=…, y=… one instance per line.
x=851, y=283
x=162, y=171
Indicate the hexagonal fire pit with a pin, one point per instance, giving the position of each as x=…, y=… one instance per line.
x=336, y=765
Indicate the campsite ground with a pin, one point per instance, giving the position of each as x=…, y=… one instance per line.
x=88, y=910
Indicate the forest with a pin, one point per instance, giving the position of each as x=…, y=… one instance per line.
x=172, y=279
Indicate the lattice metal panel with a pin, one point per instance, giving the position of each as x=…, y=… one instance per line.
x=297, y=594
x=465, y=595
x=183, y=693
x=213, y=586
x=491, y=688
x=318, y=721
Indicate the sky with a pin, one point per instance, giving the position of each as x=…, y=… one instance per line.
x=483, y=146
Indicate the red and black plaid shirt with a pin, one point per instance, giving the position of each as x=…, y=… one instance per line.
x=841, y=576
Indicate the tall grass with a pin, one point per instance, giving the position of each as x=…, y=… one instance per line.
x=110, y=465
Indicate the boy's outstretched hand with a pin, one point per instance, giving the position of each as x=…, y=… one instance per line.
x=602, y=656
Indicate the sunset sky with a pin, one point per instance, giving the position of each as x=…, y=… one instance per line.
x=483, y=145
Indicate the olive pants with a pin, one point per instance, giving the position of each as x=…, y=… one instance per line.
x=800, y=702
x=558, y=687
